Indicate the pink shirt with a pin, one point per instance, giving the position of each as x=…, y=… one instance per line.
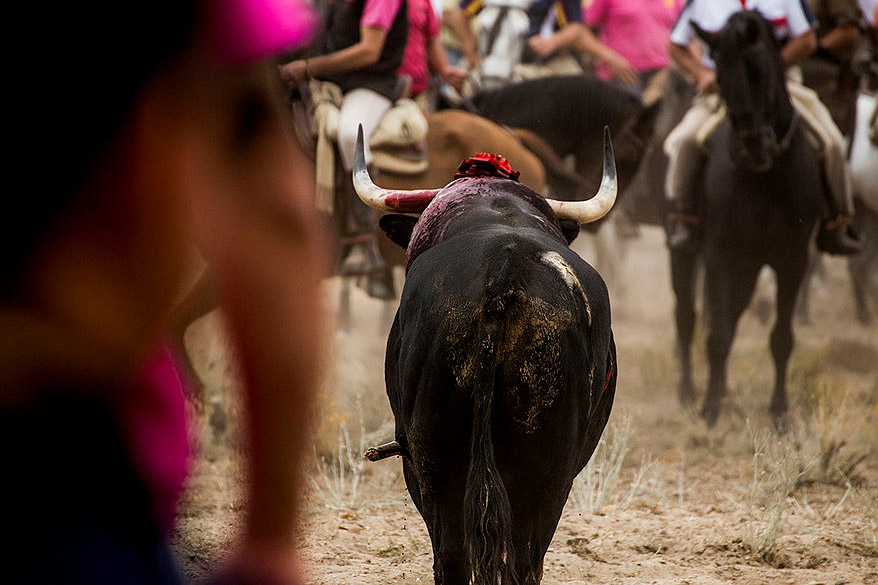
x=636, y=29
x=379, y=13
x=423, y=30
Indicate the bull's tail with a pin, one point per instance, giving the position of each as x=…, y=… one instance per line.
x=487, y=513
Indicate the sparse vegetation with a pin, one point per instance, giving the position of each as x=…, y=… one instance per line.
x=336, y=481
x=596, y=484
x=672, y=500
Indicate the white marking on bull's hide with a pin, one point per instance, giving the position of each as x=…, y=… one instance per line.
x=555, y=260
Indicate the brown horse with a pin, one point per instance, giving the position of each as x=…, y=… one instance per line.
x=452, y=136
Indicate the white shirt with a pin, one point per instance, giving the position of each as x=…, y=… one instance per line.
x=868, y=9
x=788, y=18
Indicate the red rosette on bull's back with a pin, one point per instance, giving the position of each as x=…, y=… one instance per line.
x=486, y=164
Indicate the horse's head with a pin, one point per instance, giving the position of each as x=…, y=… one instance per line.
x=750, y=74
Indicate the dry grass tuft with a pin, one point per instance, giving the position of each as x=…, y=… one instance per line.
x=595, y=486
x=335, y=481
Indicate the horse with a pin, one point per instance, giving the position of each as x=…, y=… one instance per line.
x=760, y=202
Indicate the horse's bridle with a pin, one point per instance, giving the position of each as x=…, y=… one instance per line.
x=767, y=131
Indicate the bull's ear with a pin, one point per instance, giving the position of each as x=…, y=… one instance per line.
x=398, y=227
x=570, y=229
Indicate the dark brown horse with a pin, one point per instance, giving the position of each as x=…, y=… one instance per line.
x=760, y=197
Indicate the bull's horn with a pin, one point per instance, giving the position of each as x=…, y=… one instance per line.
x=598, y=206
x=385, y=199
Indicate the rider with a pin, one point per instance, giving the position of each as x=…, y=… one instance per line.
x=363, y=46
x=838, y=28
x=552, y=27
x=636, y=29
x=829, y=70
x=425, y=53
x=793, y=23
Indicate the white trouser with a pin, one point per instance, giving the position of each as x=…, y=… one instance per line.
x=360, y=106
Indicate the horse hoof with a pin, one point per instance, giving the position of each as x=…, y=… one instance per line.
x=710, y=414
x=780, y=423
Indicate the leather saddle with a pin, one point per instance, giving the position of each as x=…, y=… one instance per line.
x=398, y=146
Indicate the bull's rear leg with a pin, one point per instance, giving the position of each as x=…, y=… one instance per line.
x=449, y=563
x=442, y=511
x=782, y=337
x=446, y=534
x=535, y=528
x=683, y=272
x=729, y=290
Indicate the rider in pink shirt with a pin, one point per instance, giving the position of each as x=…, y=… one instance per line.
x=636, y=29
x=424, y=51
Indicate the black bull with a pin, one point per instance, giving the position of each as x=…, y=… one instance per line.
x=502, y=338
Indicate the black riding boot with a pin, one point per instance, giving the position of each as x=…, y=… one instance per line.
x=836, y=234
x=684, y=222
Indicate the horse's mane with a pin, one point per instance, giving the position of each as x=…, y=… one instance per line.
x=747, y=37
x=746, y=29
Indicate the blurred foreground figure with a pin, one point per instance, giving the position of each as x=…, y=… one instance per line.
x=139, y=141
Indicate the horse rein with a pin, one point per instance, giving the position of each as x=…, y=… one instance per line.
x=768, y=130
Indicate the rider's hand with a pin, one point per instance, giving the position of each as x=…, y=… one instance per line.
x=294, y=72
x=542, y=46
x=454, y=76
x=705, y=80
x=622, y=69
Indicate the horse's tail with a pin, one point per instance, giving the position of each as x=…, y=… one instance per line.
x=487, y=514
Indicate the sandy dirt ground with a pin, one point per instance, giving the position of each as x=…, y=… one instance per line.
x=664, y=500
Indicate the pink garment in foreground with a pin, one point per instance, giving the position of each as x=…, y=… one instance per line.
x=250, y=30
x=156, y=430
x=636, y=29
